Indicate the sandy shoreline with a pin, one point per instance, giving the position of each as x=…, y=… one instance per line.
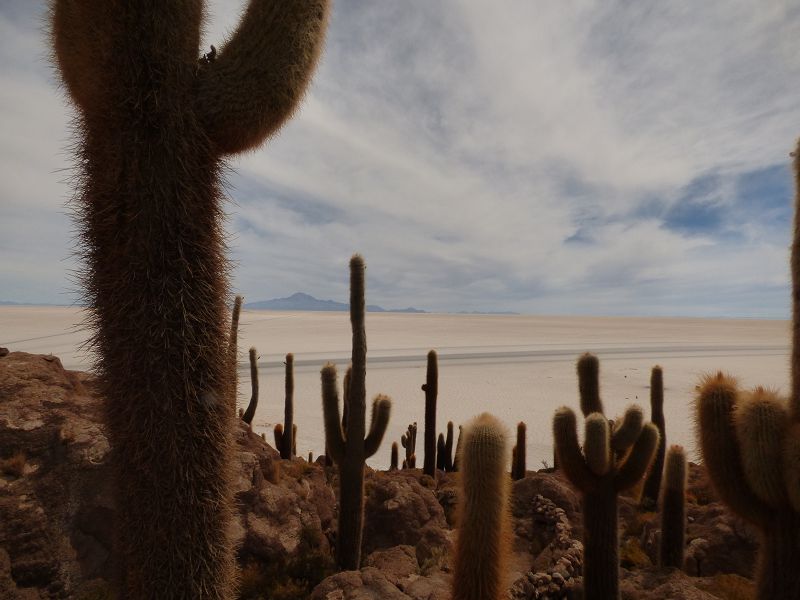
x=518, y=367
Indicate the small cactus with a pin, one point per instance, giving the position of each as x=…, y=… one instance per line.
x=394, y=459
x=518, y=466
x=409, y=441
x=248, y=415
x=431, y=389
x=440, y=461
x=652, y=484
x=456, y=458
x=673, y=509
x=483, y=544
x=448, y=448
x=351, y=449
x=612, y=460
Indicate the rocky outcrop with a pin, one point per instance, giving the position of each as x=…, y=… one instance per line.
x=57, y=517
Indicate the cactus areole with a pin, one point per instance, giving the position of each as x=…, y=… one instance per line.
x=154, y=122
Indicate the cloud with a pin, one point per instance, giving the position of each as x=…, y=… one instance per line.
x=577, y=157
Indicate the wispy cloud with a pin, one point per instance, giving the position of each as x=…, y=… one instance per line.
x=582, y=157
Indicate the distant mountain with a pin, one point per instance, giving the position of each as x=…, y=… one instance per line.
x=301, y=301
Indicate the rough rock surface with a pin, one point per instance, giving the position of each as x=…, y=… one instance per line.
x=57, y=515
x=56, y=519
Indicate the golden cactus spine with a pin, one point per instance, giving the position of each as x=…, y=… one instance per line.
x=351, y=450
x=154, y=124
x=611, y=461
x=484, y=535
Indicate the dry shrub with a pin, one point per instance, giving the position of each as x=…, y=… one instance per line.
x=631, y=555
x=14, y=466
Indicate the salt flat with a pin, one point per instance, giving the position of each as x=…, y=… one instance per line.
x=517, y=367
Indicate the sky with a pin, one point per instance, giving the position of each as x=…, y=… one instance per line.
x=575, y=157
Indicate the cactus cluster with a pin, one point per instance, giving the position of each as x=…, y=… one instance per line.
x=409, y=441
x=614, y=458
x=154, y=125
x=750, y=441
x=351, y=446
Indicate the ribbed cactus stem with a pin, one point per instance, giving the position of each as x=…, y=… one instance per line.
x=440, y=461
x=483, y=542
x=652, y=485
x=448, y=447
x=288, y=445
x=456, y=458
x=673, y=510
x=519, y=466
x=395, y=457
x=310, y=457
x=278, y=433
x=351, y=449
x=248, y=415
x=431, y=389
x=588, y=368
x=154, y=126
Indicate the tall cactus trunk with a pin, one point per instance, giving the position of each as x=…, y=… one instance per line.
x=652, y=485
x=600, y=544
x=778, y=573
x=154, y=126
x=350, y=450
x=431, y=389
x=288, y=444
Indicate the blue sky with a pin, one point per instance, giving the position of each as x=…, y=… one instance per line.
x=568, y=157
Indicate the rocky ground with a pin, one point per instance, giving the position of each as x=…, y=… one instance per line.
x=56, y=517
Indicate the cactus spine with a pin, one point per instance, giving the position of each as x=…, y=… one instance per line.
x=288, y=443
x=750, y=443
x=673, y=509
x=248, y=415
x=652, y=484
x=518, y=467
x=350, y=450
x=154, y=127
x=611, y=461
x=483, y=542
x=431, y=389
